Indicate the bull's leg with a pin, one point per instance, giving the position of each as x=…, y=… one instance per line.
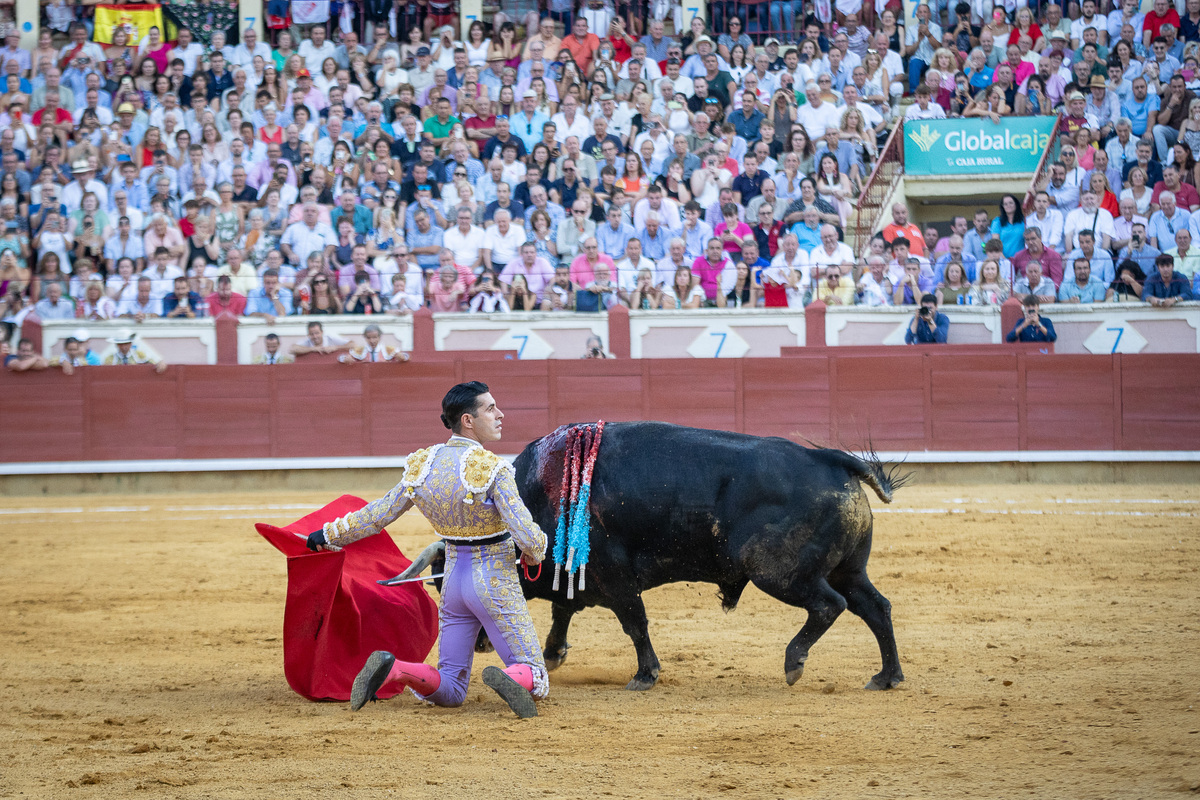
x=556, y=641
x=482, y=643
x=864, y=600
x=823, y=605
x=632, y=615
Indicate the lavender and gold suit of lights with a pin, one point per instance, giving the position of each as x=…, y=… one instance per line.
x=469, y=495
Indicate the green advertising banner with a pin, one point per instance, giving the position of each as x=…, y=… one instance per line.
x=975, y=146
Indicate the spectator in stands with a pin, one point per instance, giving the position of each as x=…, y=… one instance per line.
x=319, y=342
x=836, y=289
x=182, y=302
x=928, y=325
x=1034, y=284
x=224, y=301
x=1033, y=327
x=900, y=226
x=873, y=287
x=1164, y=222
x=270, y=300
x=1084, y=287
x=1101, y=262
x=54, y=305
x=25, y=360
x=1036, y=250
x=1165, y=287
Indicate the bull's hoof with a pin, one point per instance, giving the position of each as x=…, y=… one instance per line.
x=641, y=684
x=881, y=682
x=555, y=661
x=793, y=675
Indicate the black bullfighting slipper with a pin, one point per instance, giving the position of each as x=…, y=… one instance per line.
x=370, y=678
x=517, y=696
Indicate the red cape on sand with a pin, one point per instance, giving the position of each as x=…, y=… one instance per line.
x=336, y=614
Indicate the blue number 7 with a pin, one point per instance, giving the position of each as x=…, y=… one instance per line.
x=720, y=345
x=524, y=341
x=1120, y=332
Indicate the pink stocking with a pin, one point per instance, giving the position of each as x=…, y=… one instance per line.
x=423, y=678
x=522, y=674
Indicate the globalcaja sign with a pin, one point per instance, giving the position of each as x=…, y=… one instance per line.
x=974, y=146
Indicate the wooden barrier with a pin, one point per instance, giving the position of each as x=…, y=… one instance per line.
x=896, y=399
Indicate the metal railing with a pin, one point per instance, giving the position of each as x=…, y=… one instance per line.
x=1039, y=174
x=868, y=210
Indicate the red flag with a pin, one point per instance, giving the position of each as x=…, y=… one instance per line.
x=336, y=614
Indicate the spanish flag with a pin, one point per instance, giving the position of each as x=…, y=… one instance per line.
x=136, y=19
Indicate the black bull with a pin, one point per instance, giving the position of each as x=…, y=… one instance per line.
x=670, y=503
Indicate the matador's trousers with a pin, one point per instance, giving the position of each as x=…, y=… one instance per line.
x=481, y=589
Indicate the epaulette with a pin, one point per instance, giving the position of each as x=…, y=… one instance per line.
x=477, y=470
x=416, y=468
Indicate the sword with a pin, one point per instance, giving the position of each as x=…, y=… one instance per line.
x=397, y=581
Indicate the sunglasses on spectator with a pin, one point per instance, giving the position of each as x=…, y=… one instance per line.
x=320, y=283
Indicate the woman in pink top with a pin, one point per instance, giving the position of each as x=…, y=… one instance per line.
x=732, y=232
x=709, y=269
x=447, y=293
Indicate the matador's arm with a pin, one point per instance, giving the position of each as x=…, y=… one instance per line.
x=525, y=532
x=368, y=520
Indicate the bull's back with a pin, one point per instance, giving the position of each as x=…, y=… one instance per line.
x=672, y=490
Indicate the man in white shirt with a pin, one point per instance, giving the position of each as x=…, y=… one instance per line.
x=680, y=83
x=1088, y=217
x=243, y=55
x=1123, y=223
x=817, y=115
x=307, y=236
x=466, y=241
x=188, y=50
x=666, y=209
x=315, y=50
x=676, y=257
x=85, y=181
x=1088, y=19
x=502, y=241
x=570, y=122
x=1048, y=220
x=629, y=267
x=831, y=252
x=924, y=108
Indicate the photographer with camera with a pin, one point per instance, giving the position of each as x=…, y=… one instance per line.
x=595, y=348
x=1033, y=327
x=928, y=325
x=364, y=299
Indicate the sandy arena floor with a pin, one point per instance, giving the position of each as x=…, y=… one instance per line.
x=1049, y=636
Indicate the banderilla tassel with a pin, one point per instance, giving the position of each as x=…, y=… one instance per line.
x=570, y=558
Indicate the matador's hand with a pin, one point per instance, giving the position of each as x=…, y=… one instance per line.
x=316, y=542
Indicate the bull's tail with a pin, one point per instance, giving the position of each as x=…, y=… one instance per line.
x=884, y=479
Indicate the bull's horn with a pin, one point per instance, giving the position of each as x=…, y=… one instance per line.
x=422, y=561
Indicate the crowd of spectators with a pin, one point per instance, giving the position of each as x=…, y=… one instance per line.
x=584, y=157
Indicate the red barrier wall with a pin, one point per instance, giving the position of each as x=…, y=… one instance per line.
x=898, y=398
